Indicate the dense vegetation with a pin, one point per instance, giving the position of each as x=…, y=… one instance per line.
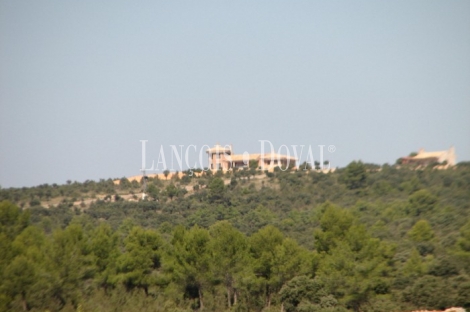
x=364, y=238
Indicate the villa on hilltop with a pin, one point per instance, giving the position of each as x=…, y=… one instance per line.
x=222, y=158
x=445, y=159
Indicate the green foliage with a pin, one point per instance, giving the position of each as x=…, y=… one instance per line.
x=420, y=202
x=138, y=266
x=421, y=232
x=430, y=292
x=364, y=238
x=463, y=247
x=190, y=261
x=464, y=240
x=12, y=219
x=216, y=190
x=275, y=260
x=153, y=192
x=229, y=249
x=414, y=266
x=171, y=191
x=341, y=239
x=334, y=224
x=305, y=294
x=104, y=250
x=125, y=184
x=355, y=175
x=253, y=164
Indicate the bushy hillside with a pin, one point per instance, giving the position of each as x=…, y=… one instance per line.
x=363, y=238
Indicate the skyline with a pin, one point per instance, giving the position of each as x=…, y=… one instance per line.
x=82, y=83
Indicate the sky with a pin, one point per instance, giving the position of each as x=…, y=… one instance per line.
x=83, y=82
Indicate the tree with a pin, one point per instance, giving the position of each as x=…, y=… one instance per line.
x=305, y=166
x=420, y=202
x=463, y=246
x=171, y=191
x=262, y=246
x=124, y=184
x=70, y=261
x=253, y=164
x=229, y=250
x=12, y=219
x=19, y=277
x=430, y=292
x=275, y=260
x=414, y=266
x=138, y=266
x=190, y=260
x=216, y=190
x=463, y=242
x=305, y=294
x=153, y=192
x=258, y=218
x=25, y=272
x=355, y=175
x=421, y=232
x=353, y=264
x=104, y=248
x=334, y=224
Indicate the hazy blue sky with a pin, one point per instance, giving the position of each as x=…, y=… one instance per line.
x=81, y=82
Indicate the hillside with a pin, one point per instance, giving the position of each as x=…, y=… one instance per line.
x=362, y=238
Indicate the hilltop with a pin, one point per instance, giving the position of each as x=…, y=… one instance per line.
x=363, y=238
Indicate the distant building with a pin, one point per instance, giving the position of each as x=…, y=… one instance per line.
x=443, y=159
x=222, y=158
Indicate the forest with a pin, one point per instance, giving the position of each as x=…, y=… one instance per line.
x=365, y=237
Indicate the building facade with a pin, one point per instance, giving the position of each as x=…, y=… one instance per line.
x=444, y=159
x=222, y=158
